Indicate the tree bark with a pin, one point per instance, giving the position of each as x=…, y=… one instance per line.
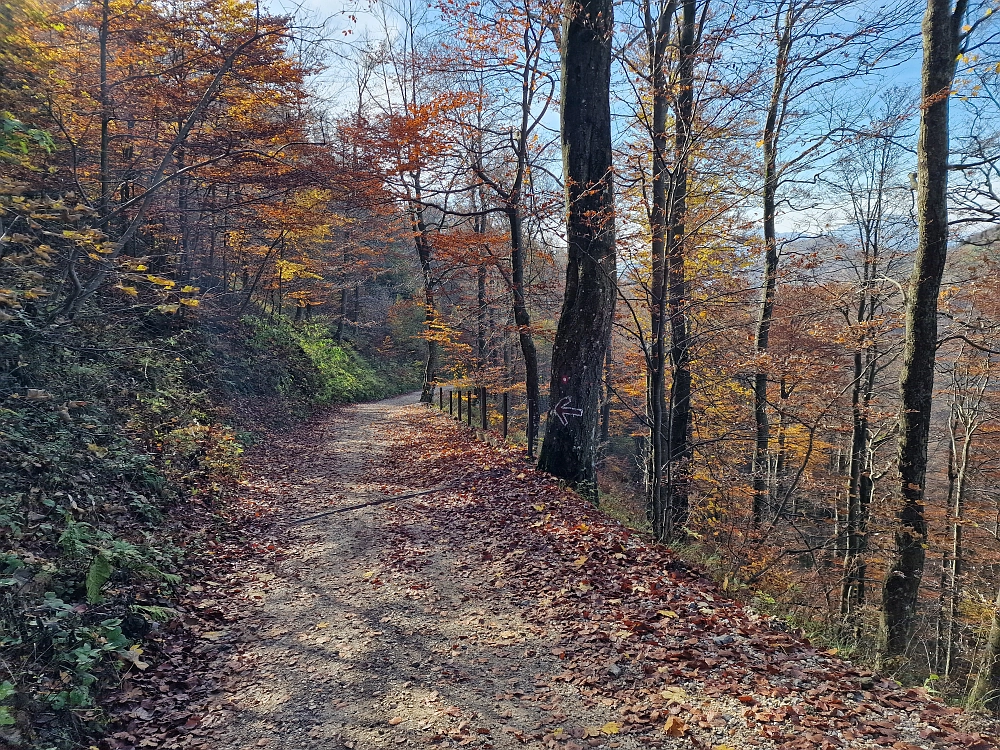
x=769, y=142
x=681, y=450
x=658, y=39
x=941, y=36
x=986, y=691
x=425, y=253
x=522, y=319
x=584, y=331
x=105, y=175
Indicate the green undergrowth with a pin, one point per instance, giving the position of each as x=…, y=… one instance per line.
x=330, y=373
x=110, y=427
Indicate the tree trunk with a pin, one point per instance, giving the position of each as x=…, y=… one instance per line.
x=481, y=317
x=422, y=241
x=522, y=319
x=769, y=282
x=941, y=35
x=658, y=39
x=986, y=691
x=960, y=471
x=680, y=451
x=584, y=331
x=606, y=405
x=852, y=589
x=105, y=175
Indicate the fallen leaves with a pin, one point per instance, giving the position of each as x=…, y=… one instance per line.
x=674, y=727
x=650, y=646
x=628, y=616
x=612, y=727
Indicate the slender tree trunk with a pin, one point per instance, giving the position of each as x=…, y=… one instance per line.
x=482, y=314
x=522, y=319
x=852, y=590
x=769, y=281
x=584, y=331
x=986, y=691
x=681, y=450
x=658, y=38
x=606, y=404
x=421, y=238
x=341, y=318
x=961, y=471
x=941, y=36
x=105, y=113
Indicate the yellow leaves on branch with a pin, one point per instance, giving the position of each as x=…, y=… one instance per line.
x=160, y=281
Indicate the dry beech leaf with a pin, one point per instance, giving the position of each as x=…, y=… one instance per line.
x=578, y=562
x=675, y=727
x=395, y=721
x=612, y=727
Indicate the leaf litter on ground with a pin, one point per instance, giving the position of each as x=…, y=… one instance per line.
x=636, y=633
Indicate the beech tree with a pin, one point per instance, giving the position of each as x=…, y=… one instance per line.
x=942, y=41
x=569, y=450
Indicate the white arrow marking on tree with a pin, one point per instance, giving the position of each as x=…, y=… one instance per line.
x=563, y=410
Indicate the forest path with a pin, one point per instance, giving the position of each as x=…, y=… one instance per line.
x=503, y=612
x=352, y=636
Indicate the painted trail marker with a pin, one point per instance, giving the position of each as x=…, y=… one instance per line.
x=562, y=410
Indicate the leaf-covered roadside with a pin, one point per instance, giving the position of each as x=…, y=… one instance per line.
x=121, y=438
x=679, y=660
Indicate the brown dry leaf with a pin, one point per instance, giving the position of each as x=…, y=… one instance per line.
x=675, y=727
x=395, y=721
x=321, y=625
x=578, y=562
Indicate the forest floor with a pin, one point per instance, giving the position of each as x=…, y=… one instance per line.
x=499, y=611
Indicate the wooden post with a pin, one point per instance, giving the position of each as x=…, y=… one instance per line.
x=451, y=403
x=505, y=415
x=484, y=412
x=459, y=404
x=441, y=398
x=468, y=414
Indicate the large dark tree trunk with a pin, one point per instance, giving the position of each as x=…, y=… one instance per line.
x=584, y=332
x=941, y=36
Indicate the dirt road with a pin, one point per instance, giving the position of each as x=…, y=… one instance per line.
x=353, y=654
x=504, y=612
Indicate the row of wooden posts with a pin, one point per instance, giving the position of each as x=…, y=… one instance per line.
x=460, y=405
